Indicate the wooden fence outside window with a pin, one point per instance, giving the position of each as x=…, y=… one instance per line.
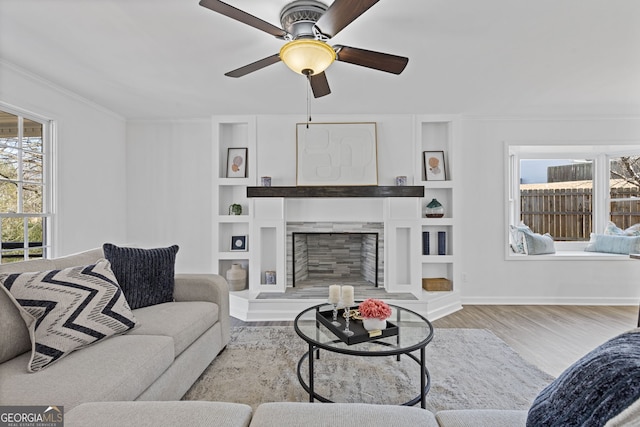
x=566, y=213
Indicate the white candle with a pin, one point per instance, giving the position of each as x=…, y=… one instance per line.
x=334, y=294
x=347, y=295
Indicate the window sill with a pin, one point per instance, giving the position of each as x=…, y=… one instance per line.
x=570, y=256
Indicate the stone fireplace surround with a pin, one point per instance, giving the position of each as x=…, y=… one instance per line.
x=337, y=263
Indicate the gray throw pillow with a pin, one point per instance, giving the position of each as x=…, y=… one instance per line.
x=598, y=387
x=146, y=276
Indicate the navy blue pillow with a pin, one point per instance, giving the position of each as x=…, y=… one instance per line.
x=593, y=390
x=146, y=276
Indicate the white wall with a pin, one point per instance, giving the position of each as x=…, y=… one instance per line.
x=170, y=189
x=481, y=219
x=90, y=204
x=170, y=197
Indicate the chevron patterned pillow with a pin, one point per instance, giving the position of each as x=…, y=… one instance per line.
x=69, y=309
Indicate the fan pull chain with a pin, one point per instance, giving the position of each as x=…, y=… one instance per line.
x=308, y=100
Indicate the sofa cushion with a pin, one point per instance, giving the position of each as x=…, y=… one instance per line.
x=14, y=338
x=155, y=414
x=120, y=368
x=68, y=309
x=538, y=244
x=516, y=237
x=613, y=229
x=182, y=321
x=277, y=414
x=613, y=244
x=481, y=418
x=146, y=276
x=598, y=387
x=80, y=258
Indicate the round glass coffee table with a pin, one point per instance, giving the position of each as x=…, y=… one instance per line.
x=407, y=332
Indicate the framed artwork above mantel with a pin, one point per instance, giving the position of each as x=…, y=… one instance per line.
x=336, y=154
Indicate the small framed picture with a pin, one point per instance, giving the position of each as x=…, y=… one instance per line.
x=237, y=163
x=434, y=169
x=239, y=243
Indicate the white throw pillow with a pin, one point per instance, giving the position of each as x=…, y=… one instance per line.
x=69, y=309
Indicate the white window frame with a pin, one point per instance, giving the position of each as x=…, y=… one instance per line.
x=600, y=153
x=48, y=134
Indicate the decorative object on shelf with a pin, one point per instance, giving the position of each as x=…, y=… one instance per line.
x=434, y=209
x=425, y=243
x=434, y=169
x=236, y=277
x=334, y=300
x=266, y=181
x=235, y=209
x=401, y=181
x=374, y=313
x=239, y=243
x=270, y=277
x=437, y=284
x=442, y=242
x=336, y=154
x=348, y=302
x=237, y=163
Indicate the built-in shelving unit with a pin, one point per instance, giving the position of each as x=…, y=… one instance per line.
x=437, y=133
x=233, y=132
x=401, y=209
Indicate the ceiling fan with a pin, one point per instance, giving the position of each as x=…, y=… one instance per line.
x=308, y=24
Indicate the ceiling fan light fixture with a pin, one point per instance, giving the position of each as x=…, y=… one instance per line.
x=307, y=54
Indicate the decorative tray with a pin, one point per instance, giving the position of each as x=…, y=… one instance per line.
x=360, y=334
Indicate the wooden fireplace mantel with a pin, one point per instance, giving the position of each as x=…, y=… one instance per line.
x=336, y=191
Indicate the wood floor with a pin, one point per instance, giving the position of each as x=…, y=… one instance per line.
x=550, y=337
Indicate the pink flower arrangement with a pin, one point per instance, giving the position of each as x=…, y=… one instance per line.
x=374, y=308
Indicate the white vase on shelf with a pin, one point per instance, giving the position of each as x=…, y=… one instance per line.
x=236, y=277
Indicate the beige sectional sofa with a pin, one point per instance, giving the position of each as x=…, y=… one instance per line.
x=160, y=359
x=138, y=378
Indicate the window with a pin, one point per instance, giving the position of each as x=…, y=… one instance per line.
x=25, y=213
x=572, y=191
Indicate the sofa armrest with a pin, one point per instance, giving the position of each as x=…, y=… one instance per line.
x=206, y=287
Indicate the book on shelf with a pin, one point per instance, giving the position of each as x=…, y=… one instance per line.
x=442, y=242
x=425, y=243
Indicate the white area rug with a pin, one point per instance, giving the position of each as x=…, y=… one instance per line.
x=470, y=368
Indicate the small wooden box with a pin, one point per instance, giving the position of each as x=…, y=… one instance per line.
x=437, y=284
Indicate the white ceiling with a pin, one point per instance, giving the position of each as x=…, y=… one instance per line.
x=167, y=58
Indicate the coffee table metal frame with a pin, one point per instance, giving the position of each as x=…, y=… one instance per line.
x=383, y=348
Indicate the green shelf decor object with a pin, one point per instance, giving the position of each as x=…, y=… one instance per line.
x=434, y=209
x=235, y=209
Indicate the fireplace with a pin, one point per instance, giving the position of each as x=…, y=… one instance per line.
x=335, y=253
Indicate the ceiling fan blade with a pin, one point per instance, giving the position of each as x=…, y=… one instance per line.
x=254, y=66
x=367, y=58
x=340, y=14
x=244, y=17
x=319, y=85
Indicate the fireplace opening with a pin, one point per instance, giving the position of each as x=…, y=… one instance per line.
x=335, y=256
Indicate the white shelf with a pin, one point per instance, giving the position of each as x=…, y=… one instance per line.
x=233, y=255
x=437, y=184
x=437, y=222
x=233, y=218
x=437, y=259
x=234, y=181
